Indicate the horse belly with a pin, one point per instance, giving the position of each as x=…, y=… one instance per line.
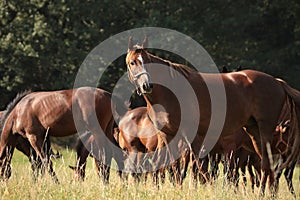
x=60, y=125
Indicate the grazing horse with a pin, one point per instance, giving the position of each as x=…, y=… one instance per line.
x=254, y=100
x=24, y=146
x=58, y=114
x=140, y=138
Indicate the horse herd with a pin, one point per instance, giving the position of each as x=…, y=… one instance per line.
x=262, y=119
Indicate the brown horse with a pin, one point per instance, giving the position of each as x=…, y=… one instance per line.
x=254, y=100
x=56, y=113
x=24, y=146
x=140, y=138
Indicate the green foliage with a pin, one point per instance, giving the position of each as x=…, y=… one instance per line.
x=43, y=42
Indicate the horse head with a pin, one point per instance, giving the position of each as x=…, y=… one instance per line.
x=136, y=59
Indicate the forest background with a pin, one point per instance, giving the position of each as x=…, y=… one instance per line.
x=44, y=42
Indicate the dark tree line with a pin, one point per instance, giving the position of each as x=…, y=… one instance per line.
x=43, y=43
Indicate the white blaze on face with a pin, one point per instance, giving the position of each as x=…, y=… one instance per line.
x=141, y=60
x=142, y=76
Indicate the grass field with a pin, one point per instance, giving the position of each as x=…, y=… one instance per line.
x=21, y=185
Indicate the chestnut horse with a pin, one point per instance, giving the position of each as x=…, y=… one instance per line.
x=58, y=114
x=254, y=100
x=24, y=146
x=140, y=138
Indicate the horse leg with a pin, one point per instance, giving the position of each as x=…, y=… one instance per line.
x=213, y=165
x=37, y=144
x=82, y=154
x=230, y=165
x=171, y=175
x=98, y=167
x=194, y=170
x=266, y=139
x=24, y=146
x=105, y=168
x=5, y=162
x=288, y=173
x=7, y=146
x=185, y=159
x=204, y=174
x=120, y=158
x=278, y=171
x=252, y=177
x=243, y=170
x=162, y=173
x=176, y=177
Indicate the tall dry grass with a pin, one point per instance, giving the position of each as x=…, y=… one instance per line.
x=22, y=186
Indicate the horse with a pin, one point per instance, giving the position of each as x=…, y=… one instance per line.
x=84, y=141
x=248, y=95
x=279, y=146
x=56, y=113
x=138, y=135
x=24, y=146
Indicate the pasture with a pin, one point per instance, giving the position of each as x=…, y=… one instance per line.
x=22, y=186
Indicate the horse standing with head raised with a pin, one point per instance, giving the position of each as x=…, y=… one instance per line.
x=254, y=100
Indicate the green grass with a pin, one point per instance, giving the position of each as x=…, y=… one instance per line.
x=22, y=186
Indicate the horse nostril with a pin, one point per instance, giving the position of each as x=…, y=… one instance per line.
x=146, y=86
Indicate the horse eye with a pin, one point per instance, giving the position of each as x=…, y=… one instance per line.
x=132, y=63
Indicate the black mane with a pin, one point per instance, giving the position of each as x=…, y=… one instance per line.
x=11, y=106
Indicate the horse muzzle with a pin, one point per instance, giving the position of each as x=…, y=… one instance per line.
x=145, y=88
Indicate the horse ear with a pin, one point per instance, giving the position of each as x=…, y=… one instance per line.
x=145, y=42
x=130, y=44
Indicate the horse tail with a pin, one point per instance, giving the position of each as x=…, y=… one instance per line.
x=11, y=106
x=294, y=134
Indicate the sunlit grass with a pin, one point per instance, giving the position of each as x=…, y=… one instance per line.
x=22, y=186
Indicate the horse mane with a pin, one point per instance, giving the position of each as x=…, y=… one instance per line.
x=181, y=68
x=11, y=106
